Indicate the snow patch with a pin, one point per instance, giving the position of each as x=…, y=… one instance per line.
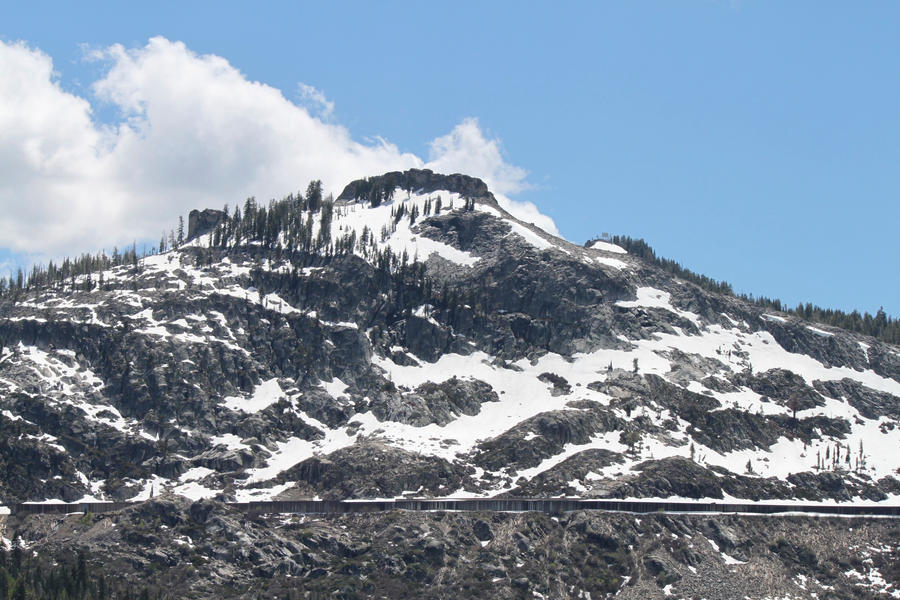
x=819, y=332
x=336, y=388
x=608, y=247
x=648, y=297
x=264, y=395
x=529, y=236
x=611, y=262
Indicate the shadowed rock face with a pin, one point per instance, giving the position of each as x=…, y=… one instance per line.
x=422, y=181
x=202, y=222
x=870, y=404
x=369, y=470
x=438, y=403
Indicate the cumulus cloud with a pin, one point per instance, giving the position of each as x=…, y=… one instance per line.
x=316, y=100
x=466, y=150
x=7, y=267
x=52, y=157
x=194, y=132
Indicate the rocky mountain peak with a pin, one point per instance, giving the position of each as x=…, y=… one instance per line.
x=402, y=339
x=415, y=339
x=202, y=222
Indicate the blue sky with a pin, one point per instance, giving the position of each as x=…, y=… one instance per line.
x=756, y=142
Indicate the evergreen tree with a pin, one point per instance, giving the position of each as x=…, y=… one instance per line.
x=15, y=562
x=236, y=226
x=180, y=231
x=325, y=224
x=314, y=195
x=374, y=197
x=101, y=588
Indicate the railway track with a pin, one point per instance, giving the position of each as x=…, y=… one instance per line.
x=545, y=505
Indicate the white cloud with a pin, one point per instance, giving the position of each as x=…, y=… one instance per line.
x=315, y=100
x=7, y=267
x=194, y=133
x=466, y=150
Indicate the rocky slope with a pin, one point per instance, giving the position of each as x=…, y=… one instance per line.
x=413, y=338
x=172, y=548
x=428, y=343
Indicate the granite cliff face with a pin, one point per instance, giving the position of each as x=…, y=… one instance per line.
x=203, y=221
x=414, y=338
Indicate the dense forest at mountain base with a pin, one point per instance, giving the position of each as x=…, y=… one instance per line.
x=172, y=548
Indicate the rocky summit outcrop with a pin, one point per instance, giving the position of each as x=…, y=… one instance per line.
x=423, y=181
x=413, y=338
x=202, y=222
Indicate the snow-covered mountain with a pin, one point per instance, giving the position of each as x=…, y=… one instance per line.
x=415, y=338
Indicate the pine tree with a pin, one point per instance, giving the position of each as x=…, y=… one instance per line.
x=101, y=588
x=794, y=404
x=236, y=226
x=15, y=562
x=630, y=439
x=179, y=239
x=325, y=224
x=314, y=195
